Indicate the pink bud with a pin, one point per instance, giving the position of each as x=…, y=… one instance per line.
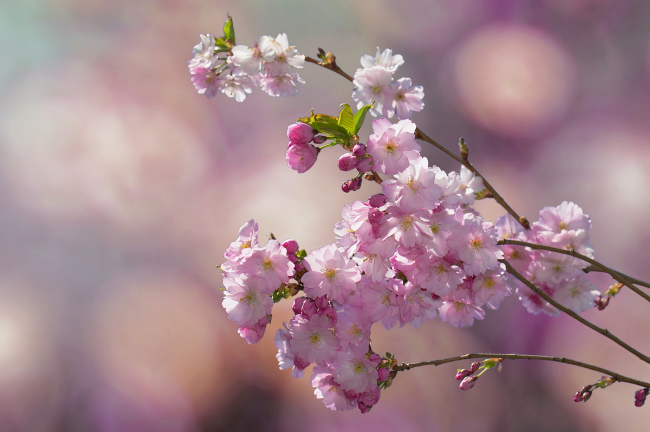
x=347, y=162
x=461, y=374
x=301, y=157
x=640, y=394
x=300, y=133
x=377, y=200
x=586, y=395
x=300, y=363
x=365, y=164
x=345, y=186
x=468, y=382
x=330, y=312
x=308, y=309
x=299, y=266
x=375, y=358
x=382, y=374
x=297, y=304
x=577, y=397
x=321, y=302
x=320, y=139
x=291, y=246
x=359, y=150
x=293, y=258
x=475, y=366
x=639, y=403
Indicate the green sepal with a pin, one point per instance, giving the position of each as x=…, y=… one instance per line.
x=328, y=125
x=222, y=45
x=359, y=118
x=229, y=30
x=346, y=119
x=301, y=254
x=490, y=363
x=281, y=293
x=389, y=355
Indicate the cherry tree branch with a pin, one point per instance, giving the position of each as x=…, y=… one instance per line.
x=616, y=376
x=329, y=62
x=572, y=314
x=619, y=277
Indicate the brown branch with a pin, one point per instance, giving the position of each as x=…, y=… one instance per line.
x=329, y=62
x=572, y=314
x=620, y=277
x=616, y=376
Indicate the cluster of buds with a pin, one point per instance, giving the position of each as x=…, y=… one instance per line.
x=467, y=377
x=640, y=396
x=359, y=159
x=603, y=299
x=585, y=393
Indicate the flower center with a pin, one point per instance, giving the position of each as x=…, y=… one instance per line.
x=476, y=244
x=329, y=273
x=385, y=299
x=249, y=299
x=435, y=228
x=411, y=184
x=406, y=223
x=355, y=331
x=391, y=148
x=358, y=368
x=459, y=306
x=562, y=225
x=489, y=283
x=440, y=270
x=245, y=245
x=267, y=265
x=315, y=339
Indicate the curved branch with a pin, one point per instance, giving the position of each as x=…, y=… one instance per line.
x=619, y=277
x=330, y=63
x=572, y=314
x=616, y=376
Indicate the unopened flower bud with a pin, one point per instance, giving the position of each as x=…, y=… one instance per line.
x=577, y=397
x=320, y=139
x=468, y=382
x=462, y=374
x=301, y=157
x=377, y=200
x=355, y=184
x=359, y=150
x=291, y=246
x=383, y=374
x=300, y=133
x=297, y=305
x=641, y=394
x=475, y=366
x=639, y=403
x=365, y=164
x=389, y=382
x=586, y=395
x=347, y=162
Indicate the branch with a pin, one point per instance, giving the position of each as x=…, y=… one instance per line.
x=572, y=314
x=620, y=277
x=618, y=377
x=329, y=62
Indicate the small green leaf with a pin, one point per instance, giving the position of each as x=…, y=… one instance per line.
x=359, y=118
x=326, y=124
x=222, y=45
x=301, y=254
x=346, y=119
x=229, y=30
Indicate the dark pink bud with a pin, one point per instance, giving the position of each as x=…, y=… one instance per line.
x=293, y=258
x=299, y=266
x=461, y=374
x=640, y=394
x=321, y=302
x=586, y=395
x=468, y=382
x=577, y=397
x=320, y=139
x=345, y=187
x=308, y=309
x=382, y=374
x=359, y=150
x=297, y=305
x=639, y=403
x=330, y=312
x=355, y=184
x=291, y=246
x=300, y=133
x=377, y=200
x=365, y=164
x=347, y=162
x=475, y=366
x=375, y=358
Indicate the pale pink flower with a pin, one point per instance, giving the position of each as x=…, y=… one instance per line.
x=287, y=84
x=385, y=59
x=246, y=299
x=327, y=389
x=301, y=157
x=237, y=86
x=270, y=263
x=490, y=288
x=380, y=300
x=312, y=340
x=354, y=372
x=409, y=229
x=253, y=334
x=415, y=305
x=246, y=240
x=250, y=60
x=414, y=187
x=475, y=241
x=459, y=312
x=393, y=147
x=470, y=184
x=577, y=294
x=206, y=81
x=281, y=57
x=372, y=86
x=330, y=273
x=203, y=53
x=406, y=98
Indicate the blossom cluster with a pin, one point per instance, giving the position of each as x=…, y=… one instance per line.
x=374, y=83
x=559, y=276
x=268, y=64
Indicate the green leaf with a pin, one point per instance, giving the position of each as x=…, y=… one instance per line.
x=229, y=30
x=281, y=293
x=328, y=125
x=301, y=254
x=346, y=119
x=359, y=118
x=221, y=45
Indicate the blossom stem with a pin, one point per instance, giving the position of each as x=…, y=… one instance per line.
x=572, y=314
x=595, y=265
x=616, y=376
x=330, y=64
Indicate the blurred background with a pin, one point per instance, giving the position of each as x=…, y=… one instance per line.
x=120, y=188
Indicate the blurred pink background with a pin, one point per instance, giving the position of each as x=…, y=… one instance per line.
x=120, y=187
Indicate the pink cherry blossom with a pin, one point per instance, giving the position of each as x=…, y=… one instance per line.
x=301, y=157
x=393, y=147
x=406, y=98
x=330, y=273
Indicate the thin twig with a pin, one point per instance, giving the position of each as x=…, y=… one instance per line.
x=618, y=276
x=616, y=376
x=330, y=63
x=572, y=314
